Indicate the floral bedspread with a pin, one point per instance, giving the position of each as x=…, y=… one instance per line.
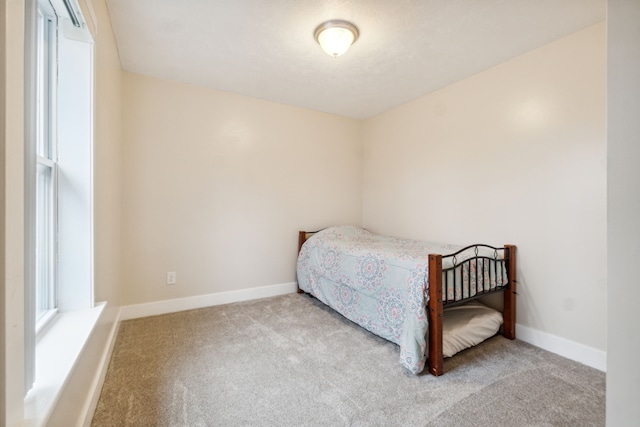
x=378, y=282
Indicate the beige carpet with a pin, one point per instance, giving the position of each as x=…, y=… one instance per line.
x=290, y=361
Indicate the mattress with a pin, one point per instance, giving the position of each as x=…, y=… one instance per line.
x=467, y=325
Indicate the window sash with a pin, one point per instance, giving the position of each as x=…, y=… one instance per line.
x=46, y=168
x=45, y=273
x=46, y=83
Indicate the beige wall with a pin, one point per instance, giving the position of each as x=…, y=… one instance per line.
x=623, y=149
x=107, y=153
x=216, y=186
x=13, y=297
x=515, y=154
x=3, y=103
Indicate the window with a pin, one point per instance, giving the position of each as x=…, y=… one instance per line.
x=58, y=177
x=46, y=167
x=61, y=162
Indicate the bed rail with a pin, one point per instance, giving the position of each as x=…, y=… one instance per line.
x=484, y=274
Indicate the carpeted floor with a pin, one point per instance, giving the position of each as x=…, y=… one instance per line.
x=290, y=361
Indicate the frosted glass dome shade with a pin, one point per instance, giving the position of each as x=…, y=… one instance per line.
x=336, y=37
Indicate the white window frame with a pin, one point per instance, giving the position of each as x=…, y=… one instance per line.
x=46, y=158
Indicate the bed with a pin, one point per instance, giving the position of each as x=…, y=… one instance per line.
x=399, y=289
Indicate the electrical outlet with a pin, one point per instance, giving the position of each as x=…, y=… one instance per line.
x=171, y=278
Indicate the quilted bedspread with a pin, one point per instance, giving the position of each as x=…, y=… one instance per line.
x=378, y=282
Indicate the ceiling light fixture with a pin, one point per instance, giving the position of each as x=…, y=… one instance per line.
x=335, y=37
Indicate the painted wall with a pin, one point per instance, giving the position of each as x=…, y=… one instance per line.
x=217, y=185
x=107, y=172
x=515, y=154
x=3, y=103
x=623, y=149
x=13, y=173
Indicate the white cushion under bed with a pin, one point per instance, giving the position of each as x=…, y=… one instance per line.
x=467, y=325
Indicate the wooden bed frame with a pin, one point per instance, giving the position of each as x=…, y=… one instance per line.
x=436, y=303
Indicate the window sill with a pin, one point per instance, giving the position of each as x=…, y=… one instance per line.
x=57, y=352
x=47, y=318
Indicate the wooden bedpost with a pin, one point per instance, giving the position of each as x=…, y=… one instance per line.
x=435, y=312
x=302, y=237
x=510, y=295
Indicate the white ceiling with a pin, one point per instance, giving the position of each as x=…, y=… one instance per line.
x=265, y=48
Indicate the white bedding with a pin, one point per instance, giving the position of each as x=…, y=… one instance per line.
x=467, y=325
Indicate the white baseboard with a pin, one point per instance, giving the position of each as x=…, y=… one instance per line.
x=96, y=386
x=570, y=349
x=180, y=304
